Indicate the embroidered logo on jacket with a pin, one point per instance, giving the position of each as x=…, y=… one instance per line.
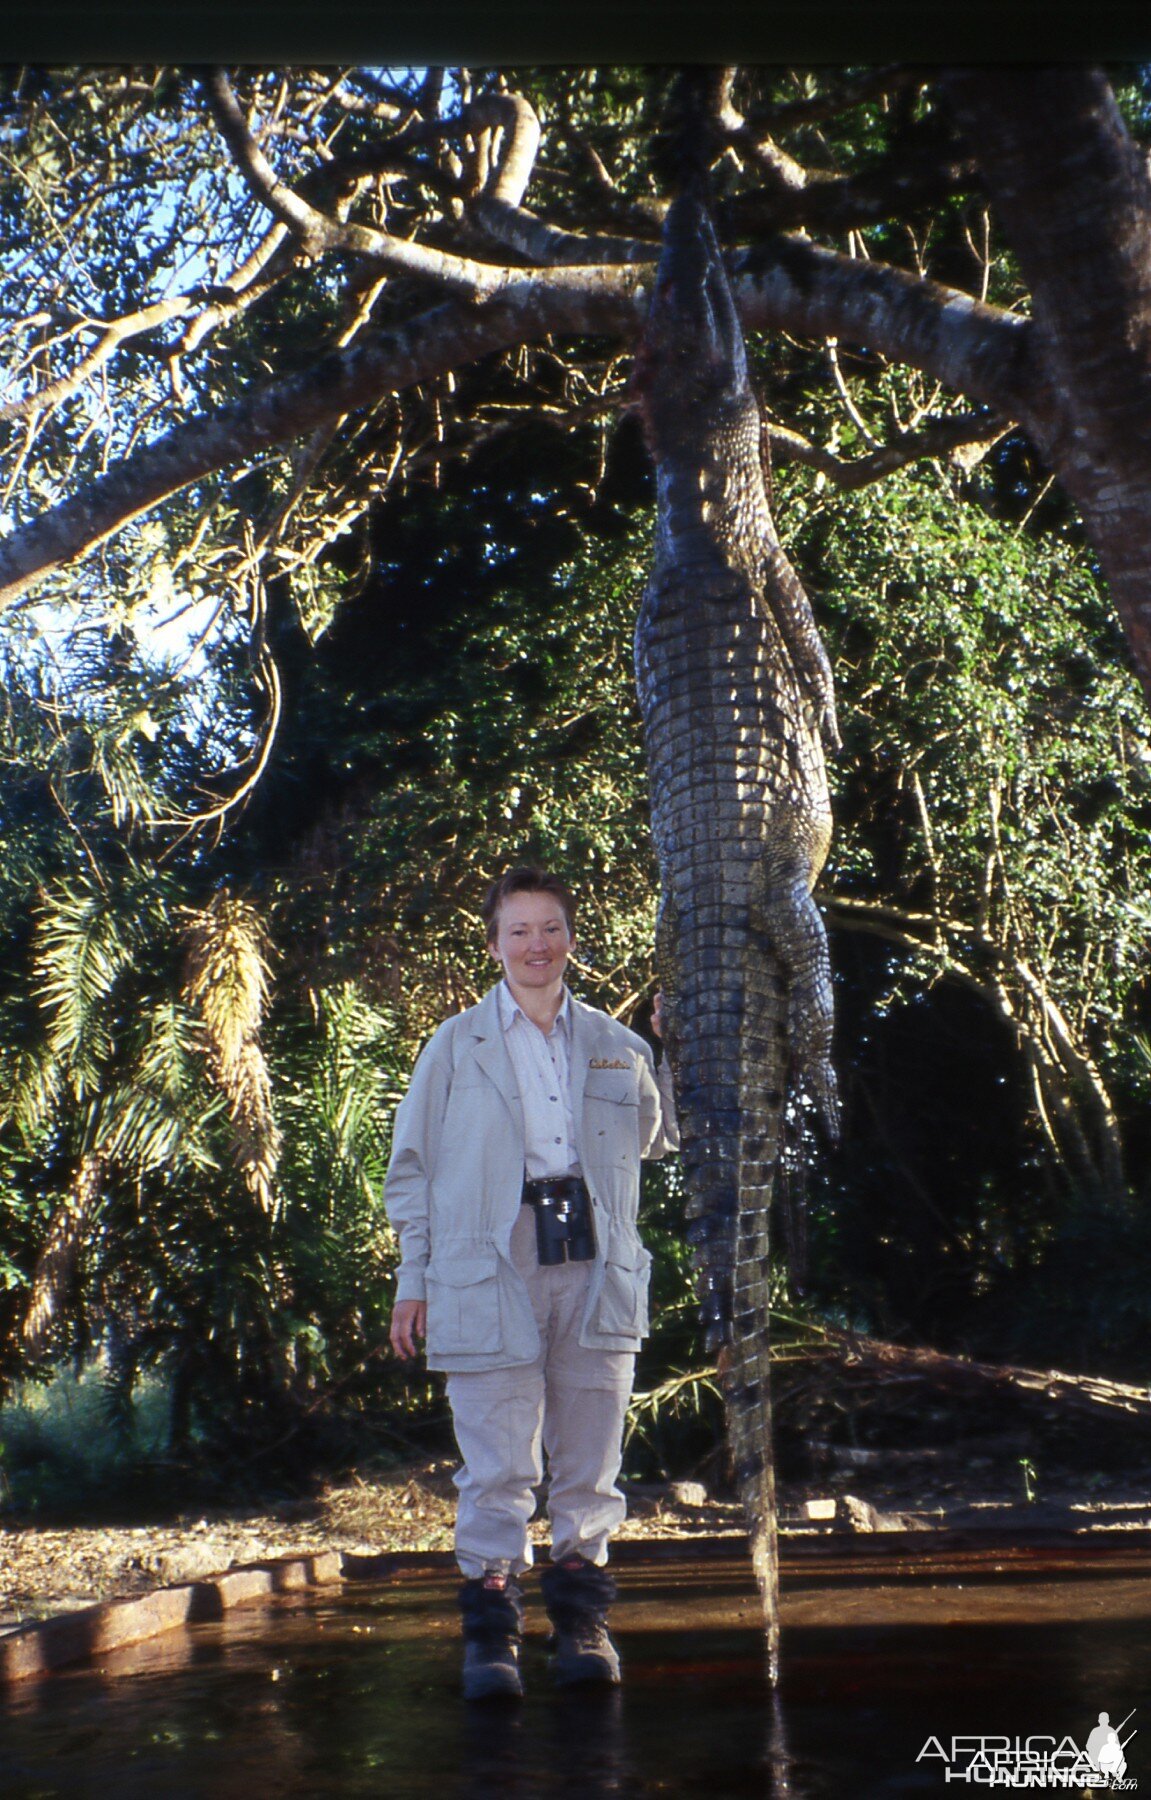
x=603, y=1062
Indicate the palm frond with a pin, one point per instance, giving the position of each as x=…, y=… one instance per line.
x=227, y=984
x=356, y=1085
x=342, y=1098
x=31, y=1083
x=131, y=797
x=55, y=1269
x=83, y=943
x=682, y=1393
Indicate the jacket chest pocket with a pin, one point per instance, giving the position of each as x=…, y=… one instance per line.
x=612, y=1087
x=463, y=1291
x=611, y=1117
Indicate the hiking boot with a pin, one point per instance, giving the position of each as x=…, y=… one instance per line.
x=493, y=1616
x=577, y=1595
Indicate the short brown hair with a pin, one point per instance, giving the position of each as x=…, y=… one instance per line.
x=525, y=881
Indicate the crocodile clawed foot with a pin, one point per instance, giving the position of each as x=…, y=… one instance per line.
x=816, y=1078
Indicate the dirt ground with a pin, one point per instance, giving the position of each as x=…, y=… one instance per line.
x=45, y=1570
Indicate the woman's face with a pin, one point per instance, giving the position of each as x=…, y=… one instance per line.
x=532, y=940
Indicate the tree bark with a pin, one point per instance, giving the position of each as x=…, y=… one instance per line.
x=1074, y=193
x=55, y=1269
x=1090, y=1394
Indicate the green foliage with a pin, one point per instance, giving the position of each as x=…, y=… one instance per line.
x=81, y=950
x=64, y=1450
x=512, y=734
x=341, y=1069
x=102, y=1053
x=509, y=730
x=997, y=771
x=987, y=884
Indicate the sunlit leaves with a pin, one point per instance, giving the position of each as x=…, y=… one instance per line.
x=83, y=945
x=227, y=985
x=996, y=768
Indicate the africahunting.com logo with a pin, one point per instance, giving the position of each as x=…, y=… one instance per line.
x=1100, y=1766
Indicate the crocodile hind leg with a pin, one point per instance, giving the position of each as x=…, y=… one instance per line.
x=791, y=925
x=786, y=600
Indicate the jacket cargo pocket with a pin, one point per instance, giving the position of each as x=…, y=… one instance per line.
x=464, y=1303
x=623, y=1304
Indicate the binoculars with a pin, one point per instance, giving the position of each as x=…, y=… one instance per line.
x=564, y=1231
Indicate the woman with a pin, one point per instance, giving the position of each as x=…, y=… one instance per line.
x=514, y=1187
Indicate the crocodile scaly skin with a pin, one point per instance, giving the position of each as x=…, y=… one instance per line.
x=736, y=695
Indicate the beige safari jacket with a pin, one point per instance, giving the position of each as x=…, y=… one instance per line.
x=455, y=1180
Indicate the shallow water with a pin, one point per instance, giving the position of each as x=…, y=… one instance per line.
x=356, y=1694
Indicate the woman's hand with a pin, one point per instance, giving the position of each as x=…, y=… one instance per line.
x=657, y=1013
x=409, y=1322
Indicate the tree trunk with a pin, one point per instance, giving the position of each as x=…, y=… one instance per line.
x=1074, y=194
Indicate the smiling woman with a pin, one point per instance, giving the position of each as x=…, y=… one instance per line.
x=530, y=936
x=514, y=1187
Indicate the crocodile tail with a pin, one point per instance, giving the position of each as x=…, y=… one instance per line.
x=746, y=1383
x=726, y=1028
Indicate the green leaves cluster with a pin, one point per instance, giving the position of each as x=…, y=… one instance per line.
x=136, y=1107
x=517, y=740
x=996, y=776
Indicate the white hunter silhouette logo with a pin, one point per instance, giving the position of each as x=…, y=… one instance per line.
x=1037, y=1760
x=1105, y=1749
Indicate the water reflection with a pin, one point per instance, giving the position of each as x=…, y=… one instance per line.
x=578, y=1748
x=337, y=1699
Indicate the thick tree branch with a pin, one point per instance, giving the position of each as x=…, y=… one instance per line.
x=499, y=209
x=444, y=338
x=534, y=238
x=952, y=337
x=318, y=234
x=314, y=231
x=780, y=172
x=896, y=188
x=511, y=114
x=788, y=284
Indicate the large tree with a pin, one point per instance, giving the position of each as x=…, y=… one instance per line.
x=251, y=304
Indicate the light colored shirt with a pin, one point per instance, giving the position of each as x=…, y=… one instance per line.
x=542, y=1062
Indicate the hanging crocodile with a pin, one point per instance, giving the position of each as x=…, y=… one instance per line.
x=736, y=694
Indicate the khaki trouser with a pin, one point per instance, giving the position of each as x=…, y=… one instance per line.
x=569, y=1402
